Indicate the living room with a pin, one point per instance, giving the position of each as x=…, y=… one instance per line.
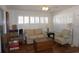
x=36, y=23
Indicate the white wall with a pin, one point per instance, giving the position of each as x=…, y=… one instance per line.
x=74, y=13
x=62, y=16
x=13, y=14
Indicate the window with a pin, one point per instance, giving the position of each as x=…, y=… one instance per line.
x=58, y=21
x=70, y=20
x=36, y=19
x=46, y=19
x=26, y=19
x=31, y=20
x=62, y=20
x=41, y=19
x=20, y=20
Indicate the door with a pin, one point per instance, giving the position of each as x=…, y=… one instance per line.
x=1, y=26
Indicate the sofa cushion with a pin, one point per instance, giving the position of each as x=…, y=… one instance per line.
x=36, y=36
x=38, y=31
x=30, y=32
x=33, y=32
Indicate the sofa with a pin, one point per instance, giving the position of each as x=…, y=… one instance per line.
x=63, y=37
x=33, y=34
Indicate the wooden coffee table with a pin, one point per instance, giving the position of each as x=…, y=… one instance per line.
x=42, y=44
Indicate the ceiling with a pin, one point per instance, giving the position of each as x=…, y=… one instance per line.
x=52, y=8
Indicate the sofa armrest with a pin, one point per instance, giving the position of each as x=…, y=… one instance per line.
x=45, y=34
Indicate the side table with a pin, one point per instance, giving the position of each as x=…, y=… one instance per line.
x=51, y=35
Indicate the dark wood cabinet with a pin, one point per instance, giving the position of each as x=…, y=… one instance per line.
x=7, y=21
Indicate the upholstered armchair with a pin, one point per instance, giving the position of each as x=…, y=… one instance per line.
x=63, y=37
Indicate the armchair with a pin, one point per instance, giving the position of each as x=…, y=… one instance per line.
x=63, y=37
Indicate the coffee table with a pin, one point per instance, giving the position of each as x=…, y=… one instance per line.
x=42, y=44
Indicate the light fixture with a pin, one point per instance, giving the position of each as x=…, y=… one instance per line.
x=45, y=8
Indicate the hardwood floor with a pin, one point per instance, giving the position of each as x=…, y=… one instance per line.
x=56, y=48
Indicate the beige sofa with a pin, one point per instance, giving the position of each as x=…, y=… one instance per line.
x=33, y=34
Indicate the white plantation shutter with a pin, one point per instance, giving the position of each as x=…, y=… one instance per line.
x=20, y=20
x=26, y=19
